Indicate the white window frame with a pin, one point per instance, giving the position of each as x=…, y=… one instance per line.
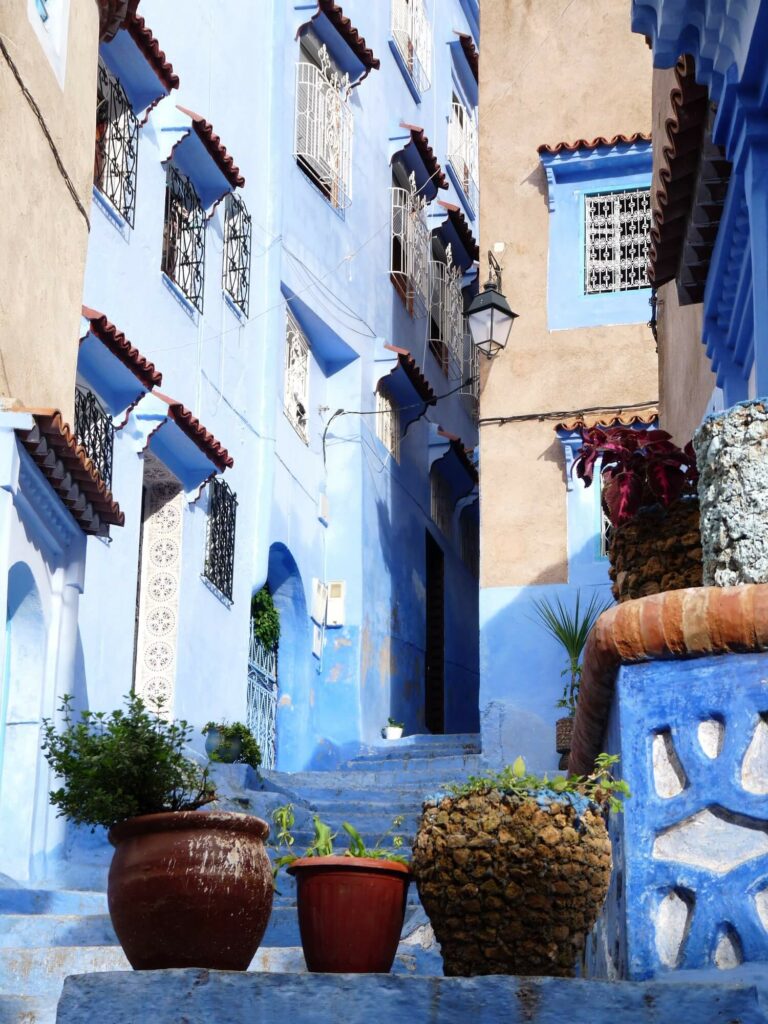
x=53, y=33
x=323, y=128
x=409, y=227
x=463, y=151
x=617, y=236
x=388, y=422
x=296, y=382
x=412, y=34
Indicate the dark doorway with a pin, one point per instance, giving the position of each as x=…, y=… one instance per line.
x=434, y=659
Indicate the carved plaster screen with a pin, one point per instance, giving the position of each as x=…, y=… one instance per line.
x=388, y=422
x=159, y=585
x=616, y=239
x=296, y=395
x=117, y=145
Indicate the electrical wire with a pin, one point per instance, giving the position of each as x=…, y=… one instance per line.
x=563, y=413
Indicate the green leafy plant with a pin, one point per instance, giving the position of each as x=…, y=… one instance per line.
x=395, y=725
x=284, y=819
x=265, y=618
x=570, y=629
x=121, y=765
x=600, y=787
x=249, y=748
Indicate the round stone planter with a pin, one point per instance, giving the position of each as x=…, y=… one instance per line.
x=732, y=457
x=190, y=889
x=511, y=886
x=659, y=550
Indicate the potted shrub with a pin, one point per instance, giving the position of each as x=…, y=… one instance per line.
x=649, y=497
x=231, y=744
x=513, y=869
x=570, y=629
x=265, y=619
x=187, y=888
x=351, y=907
x=393, y=730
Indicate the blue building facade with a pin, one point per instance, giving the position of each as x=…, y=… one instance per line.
x=273, y=374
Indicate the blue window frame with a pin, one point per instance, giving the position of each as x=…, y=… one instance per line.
x=42, y=9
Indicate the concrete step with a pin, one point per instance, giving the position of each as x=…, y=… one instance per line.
x=437, y=766
x=422, y=746
x=52, y=901
x=27, y=1010
x=38, y=930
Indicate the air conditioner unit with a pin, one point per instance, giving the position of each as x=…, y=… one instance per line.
x=337, y=592
x=319, y=601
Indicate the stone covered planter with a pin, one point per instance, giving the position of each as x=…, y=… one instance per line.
x=732, y=456
x=511, y=886
x=659, y=550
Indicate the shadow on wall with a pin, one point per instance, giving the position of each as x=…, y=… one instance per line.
x=520, y=672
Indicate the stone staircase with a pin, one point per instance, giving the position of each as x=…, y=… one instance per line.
x=47, y=934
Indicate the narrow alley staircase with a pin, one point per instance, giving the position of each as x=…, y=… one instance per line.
x=48, y=933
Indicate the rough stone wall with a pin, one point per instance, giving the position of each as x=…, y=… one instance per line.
x=732, y=456
x=659, y=550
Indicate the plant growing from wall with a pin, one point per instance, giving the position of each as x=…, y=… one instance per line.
x=265, y=619
x=232, y=744
x=638, y=468
x=570, y=628
x=121, y=765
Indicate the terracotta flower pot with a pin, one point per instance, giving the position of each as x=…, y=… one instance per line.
x=190, y=889
x=351, y=912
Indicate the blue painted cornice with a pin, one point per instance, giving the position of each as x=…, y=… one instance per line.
x=578, y=165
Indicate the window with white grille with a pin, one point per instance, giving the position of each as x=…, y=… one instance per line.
x=616, y=240
x=410, y=248
x=446, y=319
x=388, y=422
x=323, y=127
x=471, y=373
x=412, y=34
x=441, y=502
x=296, y=396
x=463, y=150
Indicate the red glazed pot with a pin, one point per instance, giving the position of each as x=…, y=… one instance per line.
x=190, y=889
x=351, y=912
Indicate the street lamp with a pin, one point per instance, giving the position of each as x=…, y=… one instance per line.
x=489, y=314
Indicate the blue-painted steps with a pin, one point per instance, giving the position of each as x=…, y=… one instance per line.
x=49, y=933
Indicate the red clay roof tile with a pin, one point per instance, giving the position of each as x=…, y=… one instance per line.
x=471, y=53
x=414, y=374
x=119, y=346
x=462, y=454
x=150, y=48
x=600, y=140
x=214, y=145
x=349, y=34
x=624, y=418
x=427, y=154
x=463, y=230
x=197, y=433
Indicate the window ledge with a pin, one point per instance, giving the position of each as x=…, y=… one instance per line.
x=189, y=308
x=233, y=307
x=297, y=429
x=222, y=598
x=404, y=70
x=112, y=214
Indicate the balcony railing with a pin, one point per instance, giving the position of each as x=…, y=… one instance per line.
x=261, y=712
x=412, y=34
x=323, y=129
x=409, y=266
x=446, y=336
x=462, y=152
x=95, y=432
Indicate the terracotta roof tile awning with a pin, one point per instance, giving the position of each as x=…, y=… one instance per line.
x=623, y=418
x=462, y=453
x=596, y=143
x=112, y=14
x=119, y=346
x=471, y=53
x=414, y=373
x=460, y=225
x=215, y=147
x=343, y=25
x=196, y=432
x=68, y=469
x=427, y=154
x=140, y=33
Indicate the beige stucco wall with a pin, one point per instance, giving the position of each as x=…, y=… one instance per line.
x=43, y=236
x=549, y=72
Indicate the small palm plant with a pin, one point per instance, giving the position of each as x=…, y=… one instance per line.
x=570, y=629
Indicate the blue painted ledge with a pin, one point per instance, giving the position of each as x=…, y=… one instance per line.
x=198, y=997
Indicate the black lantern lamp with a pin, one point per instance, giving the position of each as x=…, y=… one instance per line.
x=489, y=314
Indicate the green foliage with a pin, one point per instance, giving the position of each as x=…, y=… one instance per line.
x=119, y=765
x=322, y=842
x=249, y=752
x=265, y=618
x=395, y=725
x=570, y=629
x=600, y=787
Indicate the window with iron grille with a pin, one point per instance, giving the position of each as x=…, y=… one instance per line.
x=323, y=126
x=441, y=500
x=117, y=145
x=184, y=237
x=463, y=151
x=446, y=320
x=469, y=536
x=296, y=395
x=616, y=240
x=220, y=541
x=95, y=431
x=471, y=373
x=236, y=273
x=412, y=34
x=388, y=422
x=410, y=246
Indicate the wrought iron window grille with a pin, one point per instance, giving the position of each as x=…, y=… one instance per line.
x=220, y=540
x=117, y=145
x=412, y=34
x=323, y=128
x=95, y=431
x=463, y=151
x=446, y=321
x=471, y=375
x=236, y=269
x=261, y=713
x=410, y=248
x=616, y=240
x=296, y=396
x=183, y=259
x=388, y=422
x=470, y=542
x=441, y=502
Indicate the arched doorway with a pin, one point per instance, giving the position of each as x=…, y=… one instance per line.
x=21, y=689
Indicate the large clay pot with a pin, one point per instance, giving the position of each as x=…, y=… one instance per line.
x=190, y=889
x=511, y=885
x=351, y=912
